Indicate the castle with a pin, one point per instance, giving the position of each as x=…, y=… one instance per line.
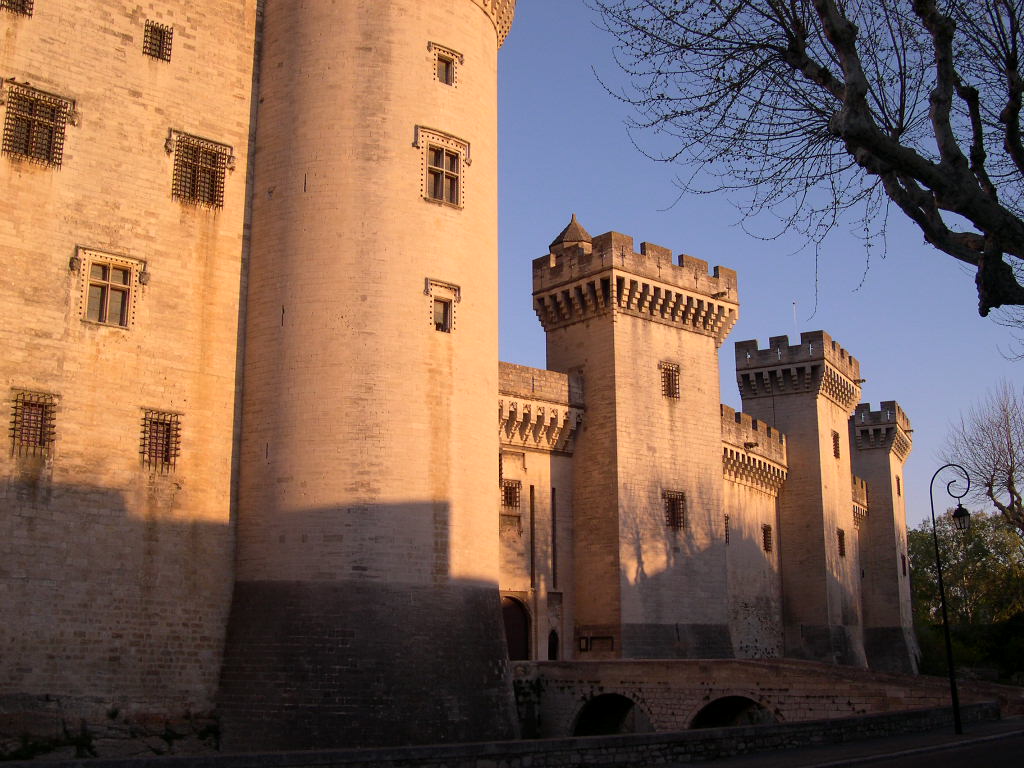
x=250, y=368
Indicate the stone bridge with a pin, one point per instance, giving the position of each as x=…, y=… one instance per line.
x=557, y=699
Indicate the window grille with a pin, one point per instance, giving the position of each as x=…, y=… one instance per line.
x=156, y=40
x=199, y=169
x=32, y=423
x=766, y=538
x=841, y=541
x=34, y=125
x=835, y=444
x=899, y=490
x=161, y=440
x=24, y=7
x=675, y=509
x=669, y=379
x=444, y=168
x=726, y=529
x=510, y=493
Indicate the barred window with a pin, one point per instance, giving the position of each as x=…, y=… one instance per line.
x=835, y=444
x=161, y=440
x=34, y=126
x=156, y=40
x=766, y=538
x=903, y=564
x=675, y=509
x=199, y=169
x=899, y=489
x=510, y=493
x=669, y=379
x=444, y=169
x=726, y=529
x=32, y=423
x=841, y=541
x=23, y=7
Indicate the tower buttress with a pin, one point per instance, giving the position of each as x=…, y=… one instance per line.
x=881, y=444
x=643, y=331
x=808, y=391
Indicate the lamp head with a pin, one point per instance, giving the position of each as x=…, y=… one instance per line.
x=961, y=518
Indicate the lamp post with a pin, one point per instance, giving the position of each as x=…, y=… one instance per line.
x=962, y=521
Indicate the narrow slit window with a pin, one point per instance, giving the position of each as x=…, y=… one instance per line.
x=766, y=538
x=726, y=529
x=841, y=541
x=835, y=444
x=899, y=489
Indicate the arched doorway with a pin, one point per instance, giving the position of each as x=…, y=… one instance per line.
x=732, y=710
x=608, y=714
x=517, y=628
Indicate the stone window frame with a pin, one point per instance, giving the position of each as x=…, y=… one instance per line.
x=767, y=543
x=669, y=379
x=20, y=7
x=200, y=168
x=82, y=263
x=160, y=440
x=675, y=509
x=441, y=291
x=431, y=141
x=35, y=124
x=33, y=422
x=454, y=59
x=157, y=40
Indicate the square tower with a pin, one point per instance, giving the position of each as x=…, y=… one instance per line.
x=809, y=391
x=642, y=332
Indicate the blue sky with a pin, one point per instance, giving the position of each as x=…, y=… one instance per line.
x=911, y=320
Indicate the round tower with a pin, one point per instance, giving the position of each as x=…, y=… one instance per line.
x=366, y=608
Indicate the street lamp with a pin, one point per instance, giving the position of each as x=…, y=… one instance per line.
x=962, y=521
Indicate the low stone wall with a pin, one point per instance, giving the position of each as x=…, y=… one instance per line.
x=607, y=751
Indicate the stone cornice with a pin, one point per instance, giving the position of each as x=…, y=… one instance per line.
x=501, y=14
x=747, y=468
x=538, y=424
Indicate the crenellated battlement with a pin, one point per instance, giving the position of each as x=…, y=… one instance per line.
x=582, y=278
x=887, y=428
x=501, y=13
x=818, y=365
x=752, y=451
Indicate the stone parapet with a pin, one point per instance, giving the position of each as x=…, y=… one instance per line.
x=574, y=283
x=501, y=13
x=817, y=365
x=538, y=409
x=752, y=452
x=888, y=428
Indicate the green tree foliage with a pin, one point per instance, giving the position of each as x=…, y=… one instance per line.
x=983, y=573
x=810, y=108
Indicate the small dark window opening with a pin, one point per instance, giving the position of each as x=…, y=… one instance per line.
x=443, y=172
x=766, y=538
x=199, y=169
x=443, y=315
x=34, y=125
x=841, y=541
x=156, y=40
x=835, y=444
x=24, y=7
x=726, y=529
x=675, y=509
x=553, y=646
x=161, y=440
x=903, y=564
x=899, y=489
x=510, y=493
x=445, y=70
x=32, y=423
x=669, y=379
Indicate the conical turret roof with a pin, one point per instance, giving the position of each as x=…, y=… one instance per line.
x=574, y=234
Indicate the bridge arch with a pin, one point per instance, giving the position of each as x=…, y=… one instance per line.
x=611, y=713
x=732, y=710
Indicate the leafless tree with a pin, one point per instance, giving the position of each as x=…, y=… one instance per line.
x=820, y=107
x=988, y=442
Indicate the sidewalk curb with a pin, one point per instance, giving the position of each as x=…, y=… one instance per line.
x=916, y=750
